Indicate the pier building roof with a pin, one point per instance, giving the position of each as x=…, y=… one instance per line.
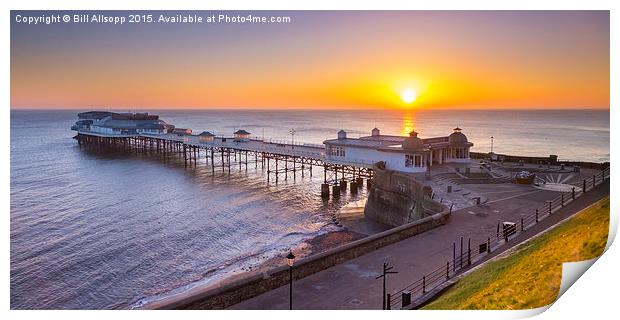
x=106, y=122
x=84, y=121
x=206, y=134
x=99, y=115
x=393, y=143
x=241, y=131
x=182, y=131
x=134, y=116
x=132, y=124
x=95, y=114
x=360, y=143
x=413, y=142
x=384, y=137
x=457, y=137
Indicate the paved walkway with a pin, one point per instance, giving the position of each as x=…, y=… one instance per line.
x=352, y=285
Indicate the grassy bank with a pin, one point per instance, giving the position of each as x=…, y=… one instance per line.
x=531, y=276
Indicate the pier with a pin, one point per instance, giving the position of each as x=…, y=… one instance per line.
x=282, y=161
x=346, y=161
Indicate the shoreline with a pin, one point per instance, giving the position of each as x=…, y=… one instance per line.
x=321, y=242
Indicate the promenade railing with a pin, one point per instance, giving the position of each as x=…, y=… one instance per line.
x=470, y=251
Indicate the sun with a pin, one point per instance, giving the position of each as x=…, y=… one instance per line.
x=408, y=96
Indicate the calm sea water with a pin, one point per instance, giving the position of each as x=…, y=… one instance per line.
x=92, y=230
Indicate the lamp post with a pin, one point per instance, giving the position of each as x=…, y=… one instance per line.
x=386, y=271
x=292, y=132
x=492, y=144
x=290, y=259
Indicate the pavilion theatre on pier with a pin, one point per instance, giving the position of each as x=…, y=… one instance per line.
x=405, y=154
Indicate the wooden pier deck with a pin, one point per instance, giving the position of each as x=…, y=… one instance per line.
x=227, y=152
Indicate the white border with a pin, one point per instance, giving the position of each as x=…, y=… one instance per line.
x=592, y=297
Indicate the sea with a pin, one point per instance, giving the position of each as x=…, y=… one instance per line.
x=109, y=230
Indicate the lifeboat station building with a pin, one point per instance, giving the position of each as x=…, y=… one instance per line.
x=116, y=124
x=407, y=154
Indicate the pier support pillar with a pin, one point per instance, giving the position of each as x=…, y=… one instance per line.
x=359, y=181
x=368, y=184
x=336, y=191
x=343, y=185
x=325, y=190
x=353, y=186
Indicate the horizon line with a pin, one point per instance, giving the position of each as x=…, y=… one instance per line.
x=124, y=109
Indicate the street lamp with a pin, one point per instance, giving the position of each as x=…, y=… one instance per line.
x=386, y=271
x=290, y=259
x=292, y=132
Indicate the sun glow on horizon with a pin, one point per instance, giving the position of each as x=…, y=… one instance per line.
x=408, y=96
x=471, y=61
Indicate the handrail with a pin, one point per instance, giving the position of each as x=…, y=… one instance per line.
x=434, y=279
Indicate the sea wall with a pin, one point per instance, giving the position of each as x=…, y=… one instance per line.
x=243, y=289
x=396, y=198
x=551, y=159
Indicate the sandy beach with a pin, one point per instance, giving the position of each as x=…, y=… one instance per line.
x=353, y=226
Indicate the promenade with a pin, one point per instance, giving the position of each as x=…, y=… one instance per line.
x=352, y=285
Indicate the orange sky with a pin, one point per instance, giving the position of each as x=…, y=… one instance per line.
x=320, y=60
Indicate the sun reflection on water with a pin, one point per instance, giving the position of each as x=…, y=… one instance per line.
x=407, y=124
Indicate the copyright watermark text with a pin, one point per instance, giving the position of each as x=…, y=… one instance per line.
x=120, y=19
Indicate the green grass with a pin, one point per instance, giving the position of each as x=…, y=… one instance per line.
x=530, y=277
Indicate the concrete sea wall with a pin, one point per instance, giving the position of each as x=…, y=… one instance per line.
x=243, y=289
x=396, y=198
x=552, y=159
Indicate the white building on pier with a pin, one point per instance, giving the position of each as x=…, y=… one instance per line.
x=206, y=136
x=407, y=154
x=241, y=135
x=120, y=124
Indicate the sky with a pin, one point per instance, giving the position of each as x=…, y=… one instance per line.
x=321, y=59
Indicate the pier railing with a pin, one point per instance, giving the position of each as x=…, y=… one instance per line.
x=350, y=161
x=467, y=252
x=255, y=145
